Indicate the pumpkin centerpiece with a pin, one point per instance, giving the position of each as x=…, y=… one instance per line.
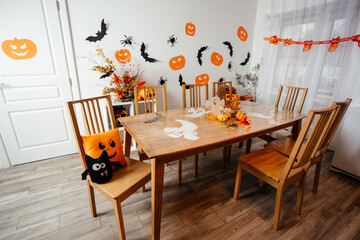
x=18, y=49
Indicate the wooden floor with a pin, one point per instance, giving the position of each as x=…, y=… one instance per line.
x=48, y=200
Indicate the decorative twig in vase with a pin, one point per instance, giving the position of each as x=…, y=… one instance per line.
x=249, y=81
x=123, y=77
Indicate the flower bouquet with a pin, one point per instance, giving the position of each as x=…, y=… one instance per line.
x=123, y=77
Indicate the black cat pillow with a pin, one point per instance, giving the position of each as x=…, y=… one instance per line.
x=100, y=169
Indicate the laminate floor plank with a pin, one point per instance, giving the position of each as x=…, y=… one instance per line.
x=47, y=200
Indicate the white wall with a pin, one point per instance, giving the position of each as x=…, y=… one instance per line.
x=152, y=22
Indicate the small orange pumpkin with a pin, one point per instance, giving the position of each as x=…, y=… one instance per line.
x=177, y=62
x=242, y=34
x=202, y=79
x=123, y=56
x=216, y=59
x=18, y=49
x=190, y=29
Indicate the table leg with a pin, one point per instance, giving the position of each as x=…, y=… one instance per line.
x=157, y=182
x=127, y=143
x=296, y=129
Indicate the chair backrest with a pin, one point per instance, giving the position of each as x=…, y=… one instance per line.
x=219, y=89
x=93, y=119
x=339, y=115
x=194, y=94
x=151, y=96
x=291, y=98
x=317, y=122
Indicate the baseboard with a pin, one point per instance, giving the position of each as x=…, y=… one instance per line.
x=337, y=170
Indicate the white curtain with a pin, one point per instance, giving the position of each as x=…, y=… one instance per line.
x=330, y=76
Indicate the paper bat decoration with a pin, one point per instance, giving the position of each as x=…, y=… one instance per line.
x=99, y=35
x=221, y=79
x=145, y=55
x=246, y=60
x=230, y=66
x=108, y=74
x=182, y=82
x=228, y=44
x=199, y=55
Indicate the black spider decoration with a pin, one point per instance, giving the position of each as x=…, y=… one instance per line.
x=182, y=82
x=221, y=79
x=129, y=40
x=230, y=66
x=172, y=40
x=162, y=81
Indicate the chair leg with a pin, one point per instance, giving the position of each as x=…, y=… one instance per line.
x=179, y=171
x=317, y=177
x=279, y=196
x=91, y=198
x=141, y=158
x=241, y=144
x=238, y=181
x=196, y=158
x=248, y=146
x=228, y=154
x=300, y=195
x=119, y=219
x=224, y=158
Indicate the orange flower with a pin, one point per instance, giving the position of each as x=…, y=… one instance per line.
x=116, y=78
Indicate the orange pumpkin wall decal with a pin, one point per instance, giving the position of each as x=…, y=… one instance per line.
x=216, y=59
x=242, y=34
x=202, y=79
x=123, y=56
x=19, y=48
x=190, y=29
x=177, y=62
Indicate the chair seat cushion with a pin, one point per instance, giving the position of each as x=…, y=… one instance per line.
x=269, y=162
x=126, y=180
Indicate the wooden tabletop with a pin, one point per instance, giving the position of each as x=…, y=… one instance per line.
x=182, y=130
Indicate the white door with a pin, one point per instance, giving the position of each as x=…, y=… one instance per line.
x=34, y=82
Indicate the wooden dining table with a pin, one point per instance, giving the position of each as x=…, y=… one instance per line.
x=179, y=133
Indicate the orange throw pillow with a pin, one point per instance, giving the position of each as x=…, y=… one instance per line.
x=109, y=141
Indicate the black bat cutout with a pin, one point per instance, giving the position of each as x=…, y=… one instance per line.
x=199, y=55
x=230, y=66
x=246, y=60
x=162, y=81
x=182, y=82
x=145, y=55
x=129, y=40
x=99, y=35
x=228, y=44
x=108, y=74
x=221, y=79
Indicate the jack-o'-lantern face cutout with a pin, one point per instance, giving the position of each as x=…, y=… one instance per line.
x=242, y=34
x=123, y=56
x=109, y=147
x=216, y=59
x=202, y=79
x=19, y=48
x=177, y=62
x=190, y=29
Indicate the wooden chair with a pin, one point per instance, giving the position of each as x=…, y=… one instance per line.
x=194, y=91
x=219, y=89
x=150, y=104
x=281, y=171
x=125, y=180
x=288, y=104
x=285, y=145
